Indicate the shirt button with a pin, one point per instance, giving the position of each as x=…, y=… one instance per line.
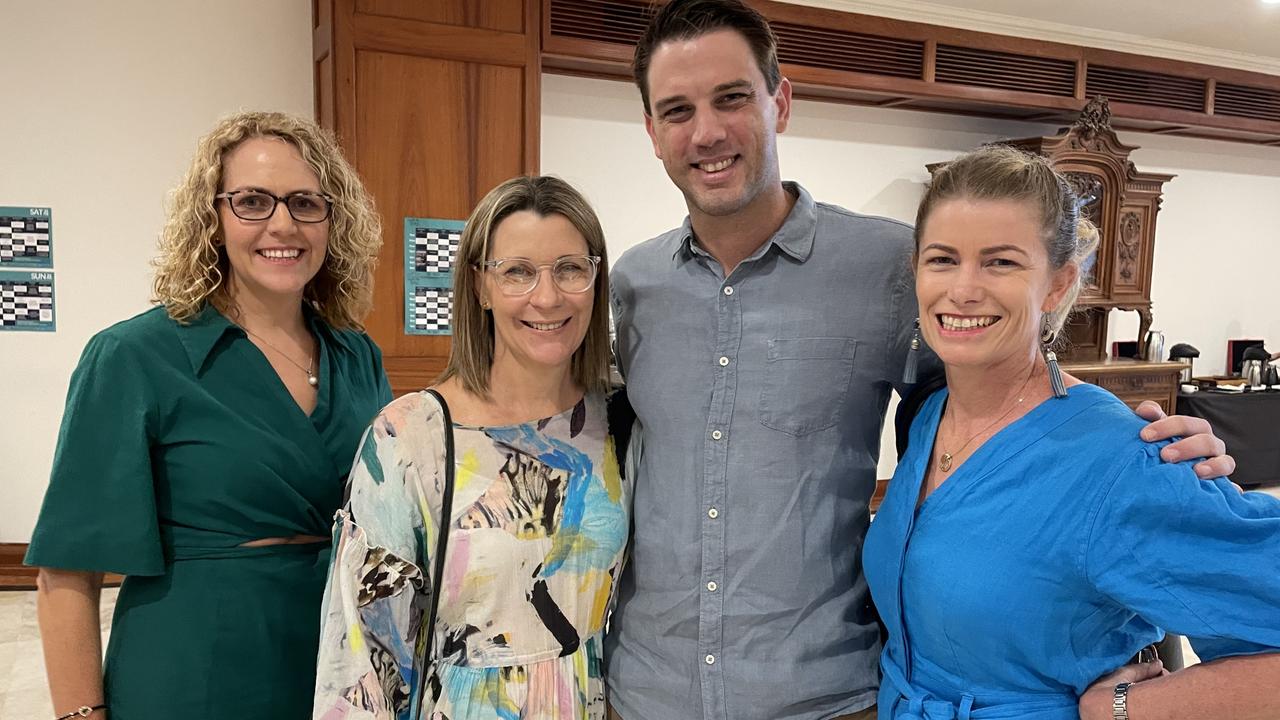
x=713, y=513
x=716, y=434
x=712, y=586
x=728, y=290
x=711, y=659
x=723, y=361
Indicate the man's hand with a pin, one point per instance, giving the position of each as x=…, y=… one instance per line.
x=1198, y=441
x=1095, y=703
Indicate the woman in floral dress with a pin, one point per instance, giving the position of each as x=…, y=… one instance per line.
x=514, y=440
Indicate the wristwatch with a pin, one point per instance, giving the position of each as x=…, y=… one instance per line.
x=1120, y=702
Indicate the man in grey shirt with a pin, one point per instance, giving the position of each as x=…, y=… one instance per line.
x=760, y=342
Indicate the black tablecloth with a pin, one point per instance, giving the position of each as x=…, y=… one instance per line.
x=1250, y=425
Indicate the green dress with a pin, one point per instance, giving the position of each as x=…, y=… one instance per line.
x=179, y=444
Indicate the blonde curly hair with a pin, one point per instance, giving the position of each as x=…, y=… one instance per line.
x=191, y=268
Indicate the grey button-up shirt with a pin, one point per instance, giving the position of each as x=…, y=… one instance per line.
x=762, y=396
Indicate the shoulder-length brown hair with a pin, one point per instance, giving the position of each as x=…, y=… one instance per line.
x=191, y=268
x=472, y=355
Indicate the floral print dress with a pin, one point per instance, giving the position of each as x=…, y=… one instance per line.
x=537, y=532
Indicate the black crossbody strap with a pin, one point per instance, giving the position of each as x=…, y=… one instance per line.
x=442, y=542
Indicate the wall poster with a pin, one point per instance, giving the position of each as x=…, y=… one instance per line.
x=26, y=237
x=26, y=301
x=430, y=246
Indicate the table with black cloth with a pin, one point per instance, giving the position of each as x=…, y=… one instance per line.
x=1249, y=423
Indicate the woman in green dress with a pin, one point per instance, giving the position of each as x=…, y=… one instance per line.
x=206, y=441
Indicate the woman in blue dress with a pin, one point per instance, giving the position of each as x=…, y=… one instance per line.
x=1030, y=541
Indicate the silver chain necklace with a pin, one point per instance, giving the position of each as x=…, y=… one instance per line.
x=312, y=380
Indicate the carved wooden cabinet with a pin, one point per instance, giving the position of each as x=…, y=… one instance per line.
x=1123, y=203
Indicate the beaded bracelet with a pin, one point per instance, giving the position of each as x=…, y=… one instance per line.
x=83, y=711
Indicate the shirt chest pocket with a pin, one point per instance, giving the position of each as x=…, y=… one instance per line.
x=805, y=383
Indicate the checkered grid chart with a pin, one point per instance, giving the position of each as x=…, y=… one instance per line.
x=434, y=249
x=432, y=309
x=24, y=238
x=25, y=301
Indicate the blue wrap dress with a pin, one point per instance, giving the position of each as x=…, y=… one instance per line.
x=1059, y=549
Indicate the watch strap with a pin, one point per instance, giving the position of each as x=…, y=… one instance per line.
x=1120, y=702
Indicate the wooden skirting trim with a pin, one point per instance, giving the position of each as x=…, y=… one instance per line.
x=16, y=576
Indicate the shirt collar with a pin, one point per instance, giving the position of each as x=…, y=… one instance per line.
x=201, y=334
x=795, y=237
x=206, y=330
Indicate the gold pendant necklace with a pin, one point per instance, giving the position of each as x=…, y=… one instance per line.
x=944, y=462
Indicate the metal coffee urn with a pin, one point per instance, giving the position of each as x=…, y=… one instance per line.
x=1183, y=352
x=1255, y=363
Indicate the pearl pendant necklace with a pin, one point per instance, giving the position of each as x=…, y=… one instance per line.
x=312, y=379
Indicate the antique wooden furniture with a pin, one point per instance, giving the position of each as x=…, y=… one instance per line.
x=1132, y=380
x=1123, y=203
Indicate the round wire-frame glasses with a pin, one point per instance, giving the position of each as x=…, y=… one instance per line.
x=519, y=276
x=252, y=205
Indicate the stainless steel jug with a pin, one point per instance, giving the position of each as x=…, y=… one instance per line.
x=1154, y=346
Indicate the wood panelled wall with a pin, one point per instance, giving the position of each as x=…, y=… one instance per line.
x=435, y=103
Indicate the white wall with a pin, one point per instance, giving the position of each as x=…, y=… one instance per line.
x=1220, y=222
x=110, y=100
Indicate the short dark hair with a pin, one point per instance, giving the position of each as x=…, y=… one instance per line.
x=688, y=19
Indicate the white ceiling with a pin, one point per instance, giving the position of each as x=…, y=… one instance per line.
x=1244, y=26
x=1236, y=33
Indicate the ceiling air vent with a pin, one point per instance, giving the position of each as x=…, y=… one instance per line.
x=599, y=20
x=1005, y=71
x=849, y=51
x=1246, y=102
x=1146, y=88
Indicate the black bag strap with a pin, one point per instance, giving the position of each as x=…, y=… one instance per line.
x=622, y=419
x=910, y=407
x=442, y=540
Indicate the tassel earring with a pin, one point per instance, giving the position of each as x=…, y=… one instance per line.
x=1047, y=338
x=913, y=356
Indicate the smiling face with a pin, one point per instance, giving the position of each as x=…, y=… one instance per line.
x=545, y=326
x=984, y=282
x=714, y=124
x=270, y=259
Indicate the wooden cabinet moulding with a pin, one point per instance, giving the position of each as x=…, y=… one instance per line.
x=452, y=42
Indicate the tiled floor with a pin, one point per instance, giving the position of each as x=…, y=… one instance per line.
x=23, y=692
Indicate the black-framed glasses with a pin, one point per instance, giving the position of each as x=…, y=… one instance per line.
x=519, y=276
x=305, y=207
